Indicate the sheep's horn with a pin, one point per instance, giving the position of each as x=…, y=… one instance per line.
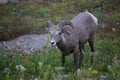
x=65, y=22
x=50, y=23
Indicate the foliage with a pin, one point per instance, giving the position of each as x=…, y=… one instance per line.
x=27, y=17
x=43, y=12
x=47, y=64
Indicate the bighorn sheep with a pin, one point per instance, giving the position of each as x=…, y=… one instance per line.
x=70, y=36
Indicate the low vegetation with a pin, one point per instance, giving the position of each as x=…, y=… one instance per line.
x=26, y=18
x=47, y=64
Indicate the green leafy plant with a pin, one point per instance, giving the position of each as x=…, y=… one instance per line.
x=44, y=12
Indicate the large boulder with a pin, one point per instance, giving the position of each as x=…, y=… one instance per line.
x=14, y=1
x=25, y=44
x=3, y=1
x=6, y=1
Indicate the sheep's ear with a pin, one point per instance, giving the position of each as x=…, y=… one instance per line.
x=49, y=24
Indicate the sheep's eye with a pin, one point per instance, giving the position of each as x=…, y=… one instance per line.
x=58, y=32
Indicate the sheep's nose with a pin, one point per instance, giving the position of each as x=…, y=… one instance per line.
x=52, y=43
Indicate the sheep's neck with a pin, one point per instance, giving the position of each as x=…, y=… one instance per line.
x=65, y=42
x=61, y=43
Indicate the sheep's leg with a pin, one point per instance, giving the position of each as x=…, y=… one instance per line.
x=75, y=55
x=82, y=53
x=91, y=43
x=63, y=60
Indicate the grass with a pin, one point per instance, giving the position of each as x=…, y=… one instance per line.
x=29, y=17
x=45, y=65
x=26, y=18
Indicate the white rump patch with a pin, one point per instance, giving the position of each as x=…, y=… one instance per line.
x=94, y=18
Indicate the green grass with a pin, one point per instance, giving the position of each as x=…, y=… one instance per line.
x=105, y=66
x=43, y=65
x=26, y=17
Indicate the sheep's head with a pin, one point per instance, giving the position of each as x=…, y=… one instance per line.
x=56, y=31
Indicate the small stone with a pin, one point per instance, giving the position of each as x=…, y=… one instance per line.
x=113, y=29
x=18, y=44
x=40, y=64
x=103, y=77
x=109, y=67
x=59, y=68
x=78, y=70
x=21, y=79
x=8, y=48
x=6, y=70
x=117, y=61
x=66, y=76
x=60, y=77
x=24, y=47
x=20, y=68
x=118, y=23
x=36, y=79
x=26, y=52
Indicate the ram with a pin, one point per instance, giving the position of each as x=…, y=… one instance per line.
x=70, y=36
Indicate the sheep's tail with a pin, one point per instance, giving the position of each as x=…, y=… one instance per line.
x=86, y=10
x=94, y=18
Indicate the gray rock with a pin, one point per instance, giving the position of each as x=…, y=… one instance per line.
x=14, y=1
x=62, y=77
x=3, y=1
x=6, y=70
x=6, y=1
x=25, y=44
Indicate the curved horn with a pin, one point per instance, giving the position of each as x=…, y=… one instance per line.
x=65, y=22
x=50, y=23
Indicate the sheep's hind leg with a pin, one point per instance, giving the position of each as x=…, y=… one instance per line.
x=91, y=43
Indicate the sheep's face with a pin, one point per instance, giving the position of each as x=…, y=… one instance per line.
x=55, y=34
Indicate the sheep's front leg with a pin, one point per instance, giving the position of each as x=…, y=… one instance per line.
x=75, y=55
x=63, y=60
x=82, y=54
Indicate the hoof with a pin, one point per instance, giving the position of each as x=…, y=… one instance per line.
x=78, y=70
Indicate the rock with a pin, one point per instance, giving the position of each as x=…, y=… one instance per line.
x=78, y=71
x=25, y=44
x=59, y=68
x=6, y=70
x=36, y=79
x=62, y=77
x=6, y=1
x=18, y=44
x=3, y=1
x=14, y=1
x=20, y=68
